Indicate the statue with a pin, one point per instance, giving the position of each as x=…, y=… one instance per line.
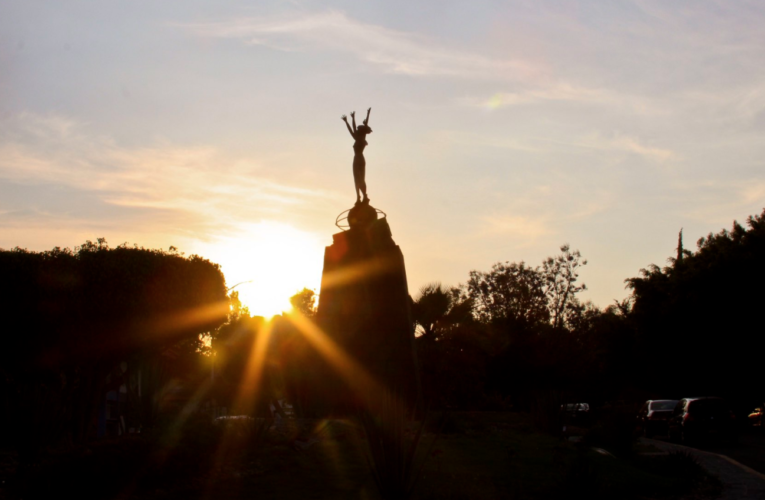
x=359, y=134
x=368, y=317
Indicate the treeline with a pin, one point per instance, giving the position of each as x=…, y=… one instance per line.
x=699, y=319
x=690, y=328
x=510, y=333
x=518, y=332
x=80, y=323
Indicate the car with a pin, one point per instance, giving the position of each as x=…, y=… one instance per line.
x=702, y=418
x=576, y=413
x=653, y=415
x=755, y=418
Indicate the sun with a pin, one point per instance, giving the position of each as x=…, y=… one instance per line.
x=268, y=263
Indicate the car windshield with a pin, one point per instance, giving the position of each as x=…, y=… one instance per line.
x=577, y=406
x=663, y=405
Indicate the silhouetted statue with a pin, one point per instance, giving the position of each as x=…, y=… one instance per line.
x=359, y=134
x=369, y=317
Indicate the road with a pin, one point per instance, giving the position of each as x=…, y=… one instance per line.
x=750, y=449
x=740, y=479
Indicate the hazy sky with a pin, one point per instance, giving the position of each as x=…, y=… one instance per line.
x=501, y=129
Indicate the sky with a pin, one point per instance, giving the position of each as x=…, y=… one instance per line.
x=502, y=130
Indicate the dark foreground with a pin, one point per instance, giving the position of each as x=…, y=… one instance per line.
x=739, y=481
x=474, y=456
x=748, y=450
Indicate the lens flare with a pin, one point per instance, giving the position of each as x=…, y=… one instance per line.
x=270, y=262
x=250, y=389
x=354, y=375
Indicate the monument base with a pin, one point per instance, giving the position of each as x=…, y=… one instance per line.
x=365, y=305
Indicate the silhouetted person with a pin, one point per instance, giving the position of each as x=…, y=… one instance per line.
x=359, y=134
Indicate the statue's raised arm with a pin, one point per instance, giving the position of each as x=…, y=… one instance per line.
x=359, y=164
x=350, y=131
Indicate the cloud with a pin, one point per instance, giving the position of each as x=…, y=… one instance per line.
x=713, y=201
x=442, y=139
x=47, y=126
x=516, y=226
x=194, y=188
x=753, y=192
x=559, y=92
x=394, y=51
x=618, y=143
x=545, y=91
x=634, y=145
x=623, y=143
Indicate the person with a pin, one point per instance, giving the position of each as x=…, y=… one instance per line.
x=359, y=135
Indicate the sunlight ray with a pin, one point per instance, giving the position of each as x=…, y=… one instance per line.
x=188, y=410
x=331, y=447
x=178, y=321
x=355, y=272
x=173, y=433
x=247, y=396
x=250, y=386
x=165, y=330
x=354, y=375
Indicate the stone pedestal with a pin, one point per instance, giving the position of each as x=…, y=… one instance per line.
x=365, y=306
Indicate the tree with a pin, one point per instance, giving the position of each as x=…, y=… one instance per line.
x=71, y=316
x=304, y=302
x=430, y=308
x=697, y=315
x=560, y=275
x=450, y=346
x=510, y=292
x=438, y=309
x=530, y=315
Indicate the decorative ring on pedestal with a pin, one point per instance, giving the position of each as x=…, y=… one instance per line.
x=342, y=220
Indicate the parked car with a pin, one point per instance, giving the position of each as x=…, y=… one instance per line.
x=699, y=418
x=756, y=417
x=576, y=413
x=653, y=415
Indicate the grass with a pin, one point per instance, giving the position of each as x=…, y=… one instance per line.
x=478, y=456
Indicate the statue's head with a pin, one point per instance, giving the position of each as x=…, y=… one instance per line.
x=364, y=129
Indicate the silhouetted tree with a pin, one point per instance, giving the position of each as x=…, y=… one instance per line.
x=430, y=309
x=451, y=347
x=530, y=316
x=304, y=302
x=510, y=292
x=437, y=309
x=561, y=274
x=680, y=254
x=605, y=359
x=77, y=313
x=697, y=317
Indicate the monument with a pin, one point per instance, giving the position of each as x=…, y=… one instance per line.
x=364, y=304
